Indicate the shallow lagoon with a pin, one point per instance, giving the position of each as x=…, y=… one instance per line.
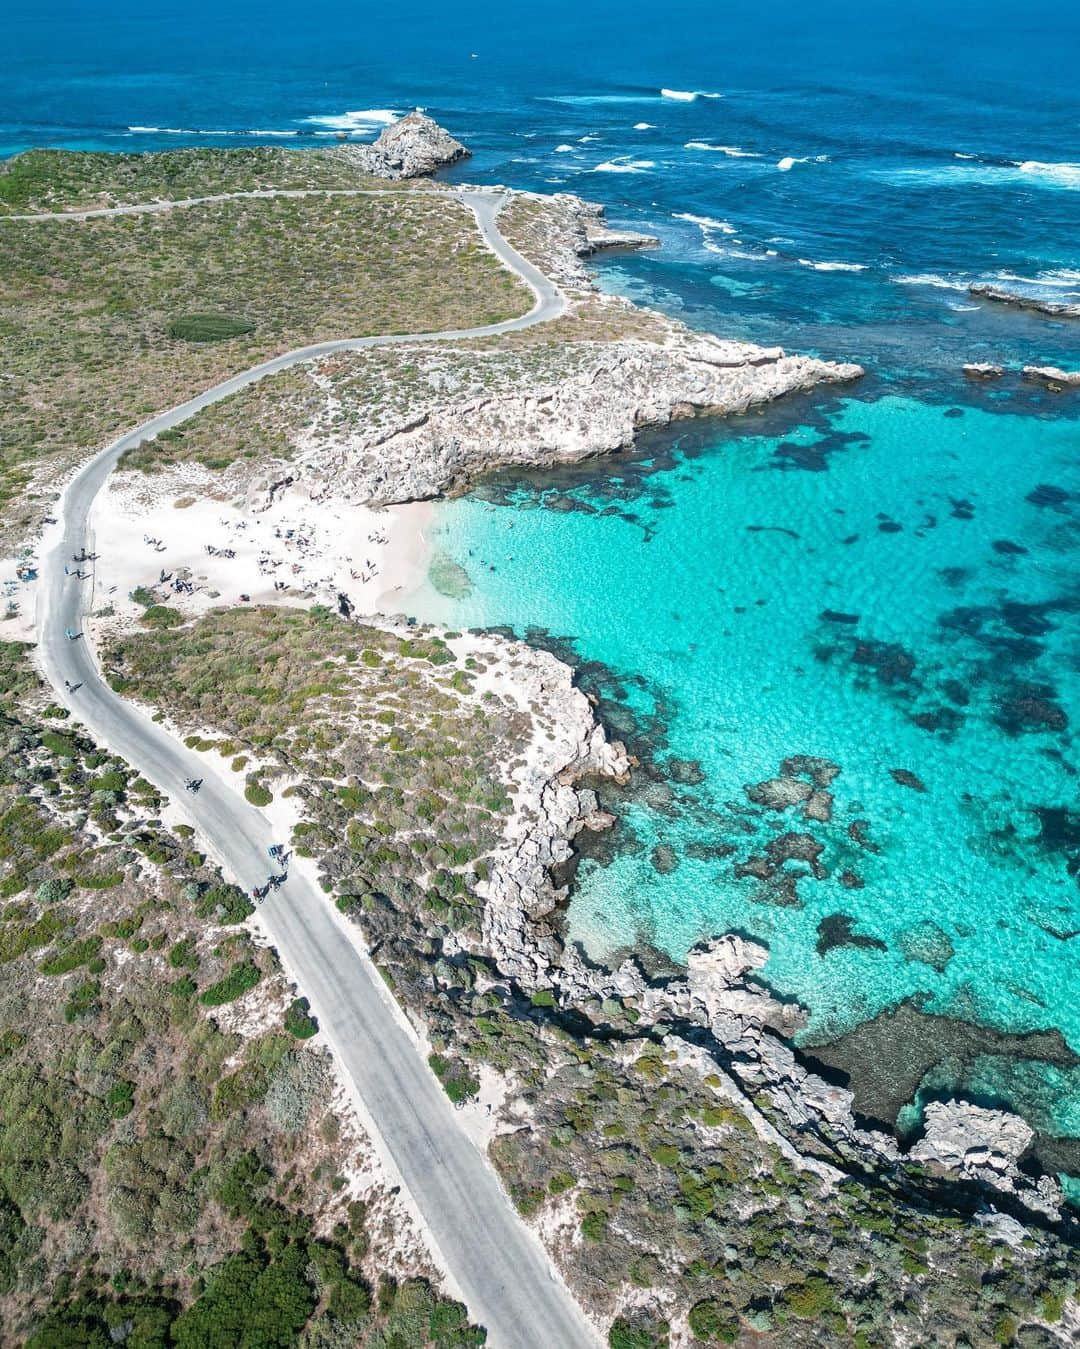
x=889, y=585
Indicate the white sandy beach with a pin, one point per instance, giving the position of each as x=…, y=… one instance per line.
x=297, y=551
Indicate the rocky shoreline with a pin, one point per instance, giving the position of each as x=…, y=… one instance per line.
x=747, y=1031
x=423, y=420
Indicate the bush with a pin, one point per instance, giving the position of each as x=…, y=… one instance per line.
x=54, y=891
x=161, y=616
x=297, y=1021
x=458, y=1083
x=713, y=1323
x=71, y=957
x=642, y=1334
x=298, y=1082
x=241, y=979
x=256, y=794
x=209, y=327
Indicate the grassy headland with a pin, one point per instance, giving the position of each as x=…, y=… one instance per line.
x=97, y=317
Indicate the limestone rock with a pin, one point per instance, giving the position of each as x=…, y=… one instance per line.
x=1054, y=375
x=961, y=1137
x=983, y=370
x=414, y=146
x=613, y=389
x=1018, y=301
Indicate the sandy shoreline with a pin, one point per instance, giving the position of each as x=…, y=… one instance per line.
x=151, y=536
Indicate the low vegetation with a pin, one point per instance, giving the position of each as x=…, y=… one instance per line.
x=172, y=1172
x=105, y=321
x=62, y=180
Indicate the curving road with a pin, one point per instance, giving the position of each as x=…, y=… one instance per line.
x=499, y=1267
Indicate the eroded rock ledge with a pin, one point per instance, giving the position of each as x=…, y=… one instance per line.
x=720, y=994
x=472, y=412
x=1052, y=308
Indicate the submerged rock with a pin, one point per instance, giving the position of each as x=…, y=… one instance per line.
x=838, y=929
x=1011, y=297
x=928, y=944
x=906, y=778
x=779, y=793
x=664, y=859
x=1053, y=375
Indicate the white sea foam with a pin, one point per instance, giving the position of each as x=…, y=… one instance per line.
x=687, y=95
x=930, y=279
x=586, y=100
x=1067, y=175
x=957, y=154
x=644, y=126
x=564, y=149
x=204, y=131
x=624, y=166
x=732, y=151
x=363, y=120
x=1029, y=173
x=788, y=162
x=582, y=140
x=832, y=266
x=706, y=222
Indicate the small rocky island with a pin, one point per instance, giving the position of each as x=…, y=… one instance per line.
x=415, y=146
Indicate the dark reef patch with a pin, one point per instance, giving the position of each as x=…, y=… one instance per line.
x=885, y=1060
x=1046, y=494
x=838, y=929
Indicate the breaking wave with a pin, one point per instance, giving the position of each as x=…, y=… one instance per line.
x=732, y=151
x=624, y=166
x=364, y=120
x=687, y=95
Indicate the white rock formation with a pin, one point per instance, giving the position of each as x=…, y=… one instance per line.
x=983, y=370
x=593, y=404
x=415, y=146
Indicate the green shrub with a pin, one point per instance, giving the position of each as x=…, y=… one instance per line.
x=258, y=795
x=209, y=327
x=161, y=616
x=458, y=1083
x=121, y=1099
x=713, y=1323
x=297, y=1021
x=52, y=892
x=71, y=957
x=241, y=979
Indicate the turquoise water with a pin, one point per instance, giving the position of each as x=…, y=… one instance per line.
x=889, y=585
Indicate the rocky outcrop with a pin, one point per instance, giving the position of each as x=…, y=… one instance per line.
x=592, y=234
x=1053, y=376
x=591, y=401
x=721, y=992
x=1052, y=308
x=973, y=1143
x=415, y=146
x=983, y=370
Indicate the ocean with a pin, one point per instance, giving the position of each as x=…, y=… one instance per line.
x=873, y=593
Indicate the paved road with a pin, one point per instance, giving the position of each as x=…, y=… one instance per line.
x=181, y=203
x=500, y=1268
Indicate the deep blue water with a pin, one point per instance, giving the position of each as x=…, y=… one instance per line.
x=887, y=581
